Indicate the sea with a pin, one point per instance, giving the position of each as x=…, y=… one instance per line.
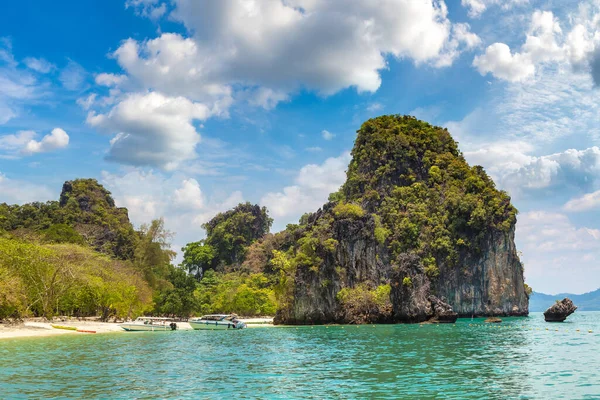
x=520, y=358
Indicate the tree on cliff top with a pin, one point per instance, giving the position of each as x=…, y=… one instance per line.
x=228, y=236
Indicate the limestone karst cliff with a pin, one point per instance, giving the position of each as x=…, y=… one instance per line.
x=413, y=222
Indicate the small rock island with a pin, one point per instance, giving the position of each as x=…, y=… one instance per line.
x=414, y=234
x=560, y=311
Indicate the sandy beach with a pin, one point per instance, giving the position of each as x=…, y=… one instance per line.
x=41, y=329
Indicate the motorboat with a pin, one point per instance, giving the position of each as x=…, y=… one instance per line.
x=217, y=321
x=150, y=324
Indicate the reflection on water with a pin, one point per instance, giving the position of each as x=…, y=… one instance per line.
x=520, y=358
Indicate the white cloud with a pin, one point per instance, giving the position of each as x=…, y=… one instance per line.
x=39, y=65
x=283, y=46
x=57, y=139
x=87, y=102
x=147, y=8
x=175, y=66
x=72, y=76
x=149, y=195
x=557, y=253
x=477, y=7
x=327, y=135
x=312, y=186
x=152, y=129
x=14, y=191
x=546, y=43
x=589, y=201
x=514, y=169
x=267, y=98
x=374, y=107
x=462, y=39
x=17, y=85
x=499, y=61
x=105, y=79
x=17, y=141
x=189, y=195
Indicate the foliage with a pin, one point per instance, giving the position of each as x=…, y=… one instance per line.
x=67, y=279
x=86, y=213
x=528, y=289
x=381, y=232
x=197, y=257
x=153, y=252
x=363, y=304
x=178, y=299
x=429, y=200
x=230, y=233
x=348, y=210
x=245, y=294
x=62, y=233
x=407, y=281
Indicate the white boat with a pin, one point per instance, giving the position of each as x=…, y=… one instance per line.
x=217, y=321
x=150, y=324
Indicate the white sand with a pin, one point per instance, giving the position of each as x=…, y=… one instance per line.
x=40, y=329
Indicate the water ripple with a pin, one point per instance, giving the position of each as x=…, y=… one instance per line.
x=521, y=358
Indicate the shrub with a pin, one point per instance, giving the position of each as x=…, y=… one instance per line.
x=348, y=210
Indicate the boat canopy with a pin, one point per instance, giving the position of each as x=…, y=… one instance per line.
x=217, y=317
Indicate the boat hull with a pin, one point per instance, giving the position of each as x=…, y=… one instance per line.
x=145, y=328
x=213, y=325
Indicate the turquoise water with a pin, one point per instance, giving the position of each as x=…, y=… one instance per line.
x=516, y=359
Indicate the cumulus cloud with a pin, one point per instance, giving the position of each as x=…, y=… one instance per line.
x=57, y=139
x=262, y=52
x=311, y=188
x=589, y=201
x=551, y=244
x=23, y=142
x=374, y=107
x=546, y=43
x=327, y=135
x=499, y=61
x=109, y=80
x=16, y=141
x=177, y=198
x=152, y=129
x=39, y=65
x=477, y=7
x=87, y=102
x=151, y=9
x=283, y=46
x=516, y=170
x=189, y=195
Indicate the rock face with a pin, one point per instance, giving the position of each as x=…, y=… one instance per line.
x=414, y=221
x=491, y=282
x=560, y=311
x=442, y=312
x=94, y=215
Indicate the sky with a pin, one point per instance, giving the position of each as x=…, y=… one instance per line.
x=185, y=108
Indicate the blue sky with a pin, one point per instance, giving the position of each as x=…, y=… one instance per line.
x=184, y=108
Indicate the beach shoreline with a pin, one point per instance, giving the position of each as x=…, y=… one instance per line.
x=38, y=328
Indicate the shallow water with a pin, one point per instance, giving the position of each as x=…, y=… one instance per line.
x=516, y=359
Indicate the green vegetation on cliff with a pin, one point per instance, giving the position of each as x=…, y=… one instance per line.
x=228, y=236
x=86, y=213
x=430, y=201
